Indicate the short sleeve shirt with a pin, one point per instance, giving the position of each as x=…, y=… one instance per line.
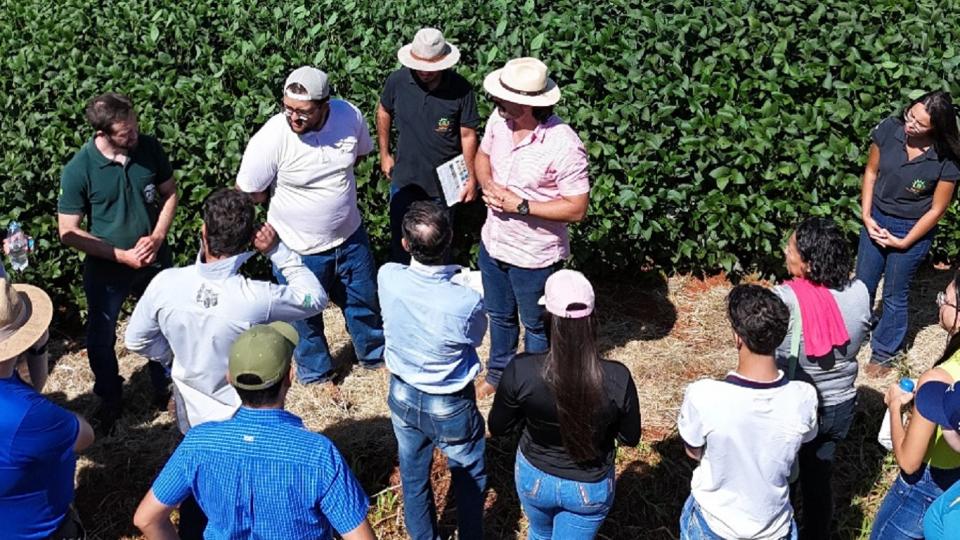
x=428, y=125
x=37, y=461
x=121, y=202
x=551, y=162
x=904, y=188
x=314, y=204
x=261, y=474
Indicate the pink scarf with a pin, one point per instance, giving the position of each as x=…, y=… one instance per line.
x=823, y=327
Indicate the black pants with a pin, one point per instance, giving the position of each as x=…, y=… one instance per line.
x=70, y=528
x=192, y=520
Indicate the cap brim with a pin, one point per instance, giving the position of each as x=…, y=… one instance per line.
x=931, y=398
x=41, y=313
x=286, y=330
x=448, y=61
x=493, y=87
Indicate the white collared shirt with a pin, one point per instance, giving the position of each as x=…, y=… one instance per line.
x=194, y=313
x=314, y=204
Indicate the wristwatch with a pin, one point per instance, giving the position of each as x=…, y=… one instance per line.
x=524, y=207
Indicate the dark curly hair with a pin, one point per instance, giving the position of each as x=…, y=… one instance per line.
x=758, y=316
x=427, y=230
x=823, y=247
x=228, y=215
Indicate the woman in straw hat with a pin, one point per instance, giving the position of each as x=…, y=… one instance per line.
x=38, y=439
x=533, y=171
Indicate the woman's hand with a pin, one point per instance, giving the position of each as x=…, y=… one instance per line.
x=885, y=239
x=896, y=397
x=871, y=225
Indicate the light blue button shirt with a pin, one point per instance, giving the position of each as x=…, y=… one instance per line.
x=432, y=327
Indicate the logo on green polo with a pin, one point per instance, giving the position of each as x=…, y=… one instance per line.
x=443, y=125
x=918, y=186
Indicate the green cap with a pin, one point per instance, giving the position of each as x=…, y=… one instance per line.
x=263, y=352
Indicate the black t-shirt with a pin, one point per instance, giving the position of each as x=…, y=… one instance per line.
x=904, y=188
x=524, y=399
x=428, y=125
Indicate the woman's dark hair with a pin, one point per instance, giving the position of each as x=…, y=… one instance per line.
x=943, y=120
x=574, y=373
x=228, y=215
x=107, y=109
x=758, y=316
x=953, y=340
x=822, y=246
x=542, y=114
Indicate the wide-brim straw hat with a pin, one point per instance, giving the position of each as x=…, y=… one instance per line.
x=523, y=81
x=25, y=314
x=429, y=52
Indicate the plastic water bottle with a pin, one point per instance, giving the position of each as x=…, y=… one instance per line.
x=884, y=437
x=18, y=245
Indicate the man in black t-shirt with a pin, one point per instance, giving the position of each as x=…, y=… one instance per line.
x=434, y=111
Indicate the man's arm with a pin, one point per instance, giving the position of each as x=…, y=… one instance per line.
x=363, y=532
x=384, y=121
x=260, y=163
x=468, y=143
x=147, y=246
x=302, y=296
x=73, y=235
x=153, y=519
x=143, y=335
x=85, y=435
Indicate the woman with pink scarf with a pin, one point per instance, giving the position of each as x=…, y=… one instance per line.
x=829, y=320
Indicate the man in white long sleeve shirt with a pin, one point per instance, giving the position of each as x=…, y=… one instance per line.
x=193, y=314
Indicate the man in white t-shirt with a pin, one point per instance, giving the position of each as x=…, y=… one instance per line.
x=746, y=431
x=305, y=156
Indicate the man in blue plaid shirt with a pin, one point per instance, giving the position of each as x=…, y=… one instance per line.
x=260, y=474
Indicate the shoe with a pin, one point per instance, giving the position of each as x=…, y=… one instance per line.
x=105, y=418
x=877, y=371
x=373, y=366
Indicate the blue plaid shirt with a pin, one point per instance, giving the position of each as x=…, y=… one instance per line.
x=261, y=474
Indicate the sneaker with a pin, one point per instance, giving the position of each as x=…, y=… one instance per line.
x=105, y=418
x=877, y=371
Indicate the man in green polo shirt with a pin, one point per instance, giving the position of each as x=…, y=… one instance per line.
x=122, y=182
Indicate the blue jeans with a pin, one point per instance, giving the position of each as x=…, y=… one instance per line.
x=898, y=268
x=694, y=527
x=507, y=290
x=400, y=201
x=561, y=508
x=348, y=274
x=900, y=516
x=107, y=285
x=452, y=423
x=816, y=468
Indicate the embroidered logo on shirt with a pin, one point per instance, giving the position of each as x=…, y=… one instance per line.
x=248, y=438
x=307, y=301
x=443, y=125
x=207, y=297
x=918, y=186
x=150, y=193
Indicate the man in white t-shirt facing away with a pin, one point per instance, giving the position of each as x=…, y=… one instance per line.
x=305, y=156
x=746, y=430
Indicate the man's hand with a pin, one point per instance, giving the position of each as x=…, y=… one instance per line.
x=386, y=165
x=131, y=258
x=265, y=239
x=147, y=247
x=501, y=199
x=469, y=191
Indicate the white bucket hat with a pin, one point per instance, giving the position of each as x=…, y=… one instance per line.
x=523, y=81
x=428, y=52
x=25, y=314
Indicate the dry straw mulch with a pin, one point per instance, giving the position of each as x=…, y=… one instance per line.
x=669, y=332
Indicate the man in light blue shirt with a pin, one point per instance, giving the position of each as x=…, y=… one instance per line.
x=432, y=328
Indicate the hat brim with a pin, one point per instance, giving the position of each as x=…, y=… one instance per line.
x=41, y=313
x=407, y=59
x=931, y=398
x=495, y=88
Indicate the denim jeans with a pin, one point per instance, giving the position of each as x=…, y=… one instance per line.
x=694, y=527
x=107, y=285
x=400, y=201
x=816, y=469
x=897, y=268
x=349, y=275
x=452, y=423
x=561, y=508
x=507, y=290
x=900, y=516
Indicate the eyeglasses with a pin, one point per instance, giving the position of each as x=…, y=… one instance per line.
x=303, y=116
x=908, y=118
x=942, y=300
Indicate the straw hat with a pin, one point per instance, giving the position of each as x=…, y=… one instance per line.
x=25, y=314
x=428, y=52
x=523, y=81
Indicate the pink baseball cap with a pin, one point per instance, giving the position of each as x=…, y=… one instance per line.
x=566, y=288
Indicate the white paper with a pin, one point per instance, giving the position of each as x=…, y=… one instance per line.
x=453, y=176
x=469, y=278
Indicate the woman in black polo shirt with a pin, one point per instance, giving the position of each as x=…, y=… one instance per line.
x=572, y=407
x=907, y=186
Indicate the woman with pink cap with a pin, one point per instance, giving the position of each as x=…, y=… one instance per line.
x=573, y=407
